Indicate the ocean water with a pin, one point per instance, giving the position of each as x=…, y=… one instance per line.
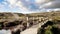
x=5, y=31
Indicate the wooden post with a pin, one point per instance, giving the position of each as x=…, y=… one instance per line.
x=33, y=20
x=27, y=23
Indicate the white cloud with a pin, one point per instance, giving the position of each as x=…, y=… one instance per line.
x=25, y=6
x=27, y=0
x=20, y=5
x=16, y=3
x=12, y=1
x=51, y=5
x=5, y=3
x=46, y=4
x=58, y=9
x=1, y=6
x=40, y=1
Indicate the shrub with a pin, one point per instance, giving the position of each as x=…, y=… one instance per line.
x=49, y=30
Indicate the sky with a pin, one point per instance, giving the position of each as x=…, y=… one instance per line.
x=28, y=6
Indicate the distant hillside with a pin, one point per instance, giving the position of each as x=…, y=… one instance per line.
x=46, y=14
x=20, y=14
x=15, y=16
x=43, y=14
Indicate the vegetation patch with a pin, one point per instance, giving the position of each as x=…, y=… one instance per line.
x=49, y=29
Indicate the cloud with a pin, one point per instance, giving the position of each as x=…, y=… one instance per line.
x=16, y=4
x=51, y=5
x=41, y=1
x=12, y=1
x=20, y=5
x=25, y=6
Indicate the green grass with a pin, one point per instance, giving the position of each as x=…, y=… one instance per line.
x=48, y=29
